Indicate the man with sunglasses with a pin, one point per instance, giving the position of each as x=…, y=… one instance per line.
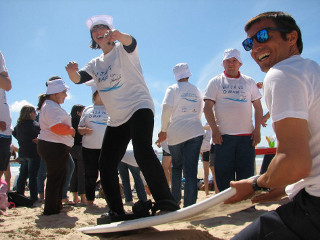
x=229, y=98
x=292, y=94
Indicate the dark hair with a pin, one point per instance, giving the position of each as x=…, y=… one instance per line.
x=94, y=95
x=53, y=78
x=25, y=113
x=41, y=99
x=282, y=20
x=75, y=118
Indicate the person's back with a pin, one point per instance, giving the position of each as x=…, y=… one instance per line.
x=185, y=122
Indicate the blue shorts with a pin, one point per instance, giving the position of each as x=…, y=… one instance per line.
x=4, y=153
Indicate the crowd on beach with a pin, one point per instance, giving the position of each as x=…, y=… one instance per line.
x=72, y=151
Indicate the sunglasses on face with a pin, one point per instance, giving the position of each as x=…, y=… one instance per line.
x=261, y=37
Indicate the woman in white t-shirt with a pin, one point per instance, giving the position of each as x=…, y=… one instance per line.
x=54, y=143
x=118, y=75
x=92, y=125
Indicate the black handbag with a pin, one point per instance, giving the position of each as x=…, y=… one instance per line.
x=19, y=200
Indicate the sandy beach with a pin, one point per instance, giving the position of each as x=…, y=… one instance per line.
x=29, y=223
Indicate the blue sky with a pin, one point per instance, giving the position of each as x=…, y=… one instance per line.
x=38, y=38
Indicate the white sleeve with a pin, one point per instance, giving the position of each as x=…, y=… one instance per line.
x=165, y=116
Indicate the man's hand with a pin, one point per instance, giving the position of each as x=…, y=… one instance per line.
x=256, y=137
x=3, y=126
x=216, y=136
x=244, y=190
x=162, y=136
x=275, y=194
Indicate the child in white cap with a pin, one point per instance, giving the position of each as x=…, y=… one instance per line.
x=54, y=143
x=181, y=126
x=118, y=75
x=92, y=125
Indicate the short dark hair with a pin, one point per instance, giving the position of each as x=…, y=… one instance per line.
x=282, y=20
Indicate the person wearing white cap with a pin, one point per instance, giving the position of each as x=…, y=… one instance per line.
x=5, y=118
x=229, y=98
x=181, y=126
x=118, y=75
x=54, y=143
x=92, y=125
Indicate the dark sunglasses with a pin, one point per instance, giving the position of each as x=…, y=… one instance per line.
x=261, y=37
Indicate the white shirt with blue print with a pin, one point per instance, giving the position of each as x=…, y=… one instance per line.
x=121, y=86
x=233, y=103
x=95, y=117
x=185, y=122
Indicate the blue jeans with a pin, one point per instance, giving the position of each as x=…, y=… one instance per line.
x=233, y=160
x=28, y=169
x=42, y=175
x=68, y=177
x=124, y=175
x=186, y=155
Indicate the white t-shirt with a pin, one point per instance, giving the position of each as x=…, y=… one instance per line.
x=185, y=122
x=4, y=107
x=96, y=117
x=51, y=114
x=121, y=86
x=233, y=103
x=292, y=89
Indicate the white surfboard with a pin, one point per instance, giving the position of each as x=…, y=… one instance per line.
x=197, y=211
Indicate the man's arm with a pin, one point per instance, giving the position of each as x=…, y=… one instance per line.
x=165, y=120
x=5, y=81
x=209, y=114
x=291, y=163
x=258, y=114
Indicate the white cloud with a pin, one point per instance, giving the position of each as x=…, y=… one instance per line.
x=17, y=105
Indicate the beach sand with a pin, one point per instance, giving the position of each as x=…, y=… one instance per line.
x=29, y=223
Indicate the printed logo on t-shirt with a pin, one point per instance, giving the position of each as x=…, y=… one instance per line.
x=115, y=80
x=101, y=123
x=191, y=97
x=235, y=92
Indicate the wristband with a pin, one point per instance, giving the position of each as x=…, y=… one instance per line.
x=256, y=187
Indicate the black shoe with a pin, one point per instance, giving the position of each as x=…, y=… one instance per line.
x=111, y=217
x=165, y=206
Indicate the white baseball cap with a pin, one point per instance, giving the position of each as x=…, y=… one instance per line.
x=181, y=70
x=230, y=53
x=100, y=19
x=56, y=86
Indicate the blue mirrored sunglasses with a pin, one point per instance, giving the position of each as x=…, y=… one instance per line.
x=261, y=37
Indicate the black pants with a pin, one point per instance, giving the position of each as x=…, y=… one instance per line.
x=77, y=183
x=139, y=129
x=299, y=219
x=91, y=169
x=56, y=156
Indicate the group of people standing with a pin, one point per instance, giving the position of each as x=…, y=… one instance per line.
x=291, y=89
